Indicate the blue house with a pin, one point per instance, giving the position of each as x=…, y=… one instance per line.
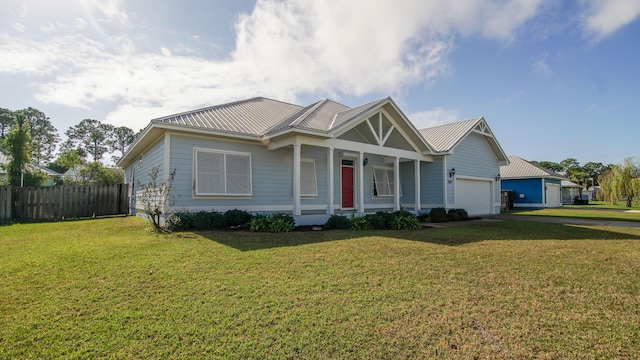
x=268, y=156
x=532, y=185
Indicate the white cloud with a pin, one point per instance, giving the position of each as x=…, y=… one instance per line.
x=604, y=17
x=435, y=117
x=284, y=49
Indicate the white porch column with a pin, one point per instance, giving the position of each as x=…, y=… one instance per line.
x=396, y=184
x=445, y=180
x=416, y=166
x=361, y=183
x=330, y=190
x=296, y=180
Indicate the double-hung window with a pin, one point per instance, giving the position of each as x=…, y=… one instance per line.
x=222, y=173
x=383, y=182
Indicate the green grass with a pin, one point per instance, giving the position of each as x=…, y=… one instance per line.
x=109, y=288
x=583, y=213
x=593, y=204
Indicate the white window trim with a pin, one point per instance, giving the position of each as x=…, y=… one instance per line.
x=224, y=153
x=315, y=179
x=389, y=171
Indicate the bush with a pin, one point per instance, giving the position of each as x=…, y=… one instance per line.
x=201, y=220
x=403, y=222
x=438, y=215
x=272, y=223
x=337, y=222
x=378, y=221
x=457, y=215
x=236, y=217
x=360, y=223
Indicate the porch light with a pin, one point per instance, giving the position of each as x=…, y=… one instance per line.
x=498, y=177
x=365, y=161
x=452, y=172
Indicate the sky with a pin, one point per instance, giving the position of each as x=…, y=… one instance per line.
x=554, y=79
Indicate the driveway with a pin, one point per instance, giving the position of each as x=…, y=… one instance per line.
x=569, y=221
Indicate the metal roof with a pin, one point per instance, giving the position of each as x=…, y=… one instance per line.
x=444, y=138
x=317, y=116
x=522, y=169
x=250, y=117
x=348, y=114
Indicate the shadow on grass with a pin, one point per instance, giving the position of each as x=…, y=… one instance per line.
x=451, y=236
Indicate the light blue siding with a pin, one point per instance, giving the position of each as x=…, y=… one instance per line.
x=473, y=157
x=271, y=174
x=431, y=177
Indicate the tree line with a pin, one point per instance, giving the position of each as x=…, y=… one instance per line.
x=617, y=182
x=30, y=140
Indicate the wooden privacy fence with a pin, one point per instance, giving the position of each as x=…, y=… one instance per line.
x=52, y=203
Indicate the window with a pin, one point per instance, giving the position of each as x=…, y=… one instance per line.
x=383, y=182
x=222, y=173
x=308, y=182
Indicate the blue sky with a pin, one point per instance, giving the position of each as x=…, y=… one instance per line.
x=554, y=79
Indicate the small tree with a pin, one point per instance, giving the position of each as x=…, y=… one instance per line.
x=18, y=146
x=621, y=181
x=154, y=196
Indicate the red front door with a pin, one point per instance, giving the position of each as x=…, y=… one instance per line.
x=347, y=187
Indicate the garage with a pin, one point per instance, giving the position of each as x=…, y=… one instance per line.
x=474, y=196
x=553, y=194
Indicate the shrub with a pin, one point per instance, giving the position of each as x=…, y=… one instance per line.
x=337, y=222
x=403, y=222
x=457, y=215
x=281, y=223
x=236, y=217
x=360, y=223
x=403, y=213
x=378, y=221
x=202, y=221
x=272, y=223
x=438, y=215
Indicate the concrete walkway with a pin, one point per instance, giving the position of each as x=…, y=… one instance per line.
x=564, y=220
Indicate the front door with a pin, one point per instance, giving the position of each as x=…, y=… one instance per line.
x=347, y=187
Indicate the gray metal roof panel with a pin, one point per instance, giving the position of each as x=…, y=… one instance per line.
x=252, y=116
x=443, y=138
x=348, y=114
x=521, y=169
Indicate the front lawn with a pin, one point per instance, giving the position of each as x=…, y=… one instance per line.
x=582, y=212
x=109, y=288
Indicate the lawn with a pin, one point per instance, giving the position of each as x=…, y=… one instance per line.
x=109, y=288
x=584, y=212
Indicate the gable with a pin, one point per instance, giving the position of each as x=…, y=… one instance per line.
x=446, y=138
x=385, y=127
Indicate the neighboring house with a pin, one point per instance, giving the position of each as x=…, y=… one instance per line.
x=570, y=191
x=266, y=156
x=533, y=186
x=4, y=162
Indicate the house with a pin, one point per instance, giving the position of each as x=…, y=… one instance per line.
x=570, y=191
x=265, y=156
x=50, y=175
x=532, y=185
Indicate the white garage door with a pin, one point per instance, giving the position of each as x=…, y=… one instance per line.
x=553, y=195
x=474, y=196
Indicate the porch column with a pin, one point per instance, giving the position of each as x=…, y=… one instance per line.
x=296, y=180
x=416, y=166
x=396, y=184
x=330, y=190
x=361, y=183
